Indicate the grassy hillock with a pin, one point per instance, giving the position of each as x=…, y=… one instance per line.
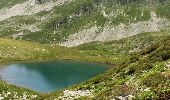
x=14, y=50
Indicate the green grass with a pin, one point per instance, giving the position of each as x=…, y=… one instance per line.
x=15, y=92
x=140, y=69
x=162, y=10
x=14, y=50
x=145, y=65
x=9, y=3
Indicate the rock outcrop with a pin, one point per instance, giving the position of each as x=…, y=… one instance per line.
x=29, y=8
x=120, y=31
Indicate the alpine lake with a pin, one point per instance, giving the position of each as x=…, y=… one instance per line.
x=50, y=76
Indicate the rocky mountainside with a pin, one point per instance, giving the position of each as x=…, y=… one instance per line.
x=73, y=22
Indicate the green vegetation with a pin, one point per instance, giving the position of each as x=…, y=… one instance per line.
x=139, y=62
x=143, y=70
x=77, y=15
x=13, y=50
x=14, y=92
x=9, y=3
x=162, y=10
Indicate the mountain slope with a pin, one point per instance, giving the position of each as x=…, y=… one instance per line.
x=136, y=77
x=29, y=7
x=14, y=50
x=67, y=22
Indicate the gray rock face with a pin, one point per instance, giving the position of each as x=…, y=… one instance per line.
x=29, y=7
x=120, y=31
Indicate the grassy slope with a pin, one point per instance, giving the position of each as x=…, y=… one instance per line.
x=13, y=50
x=19, y=50
x=148, y=61
x=9, y=3
x=142, y=69
x=8, y=91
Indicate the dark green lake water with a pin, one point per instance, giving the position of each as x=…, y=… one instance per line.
x=50, y=76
